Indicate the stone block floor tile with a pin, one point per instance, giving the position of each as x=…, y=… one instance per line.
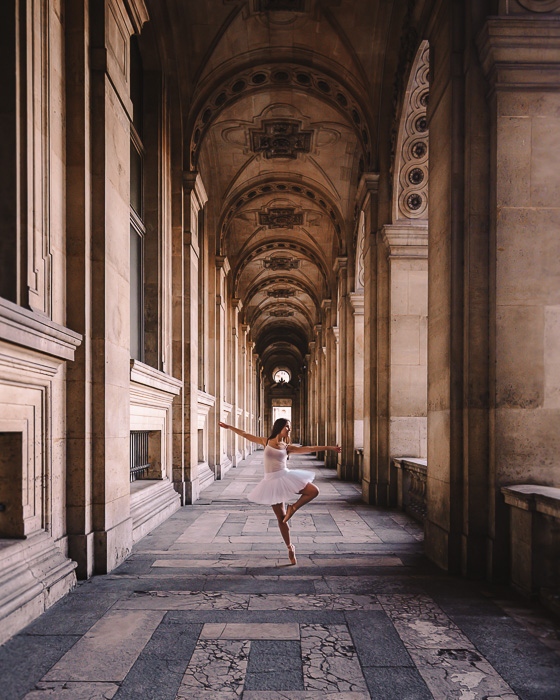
x=208, y=606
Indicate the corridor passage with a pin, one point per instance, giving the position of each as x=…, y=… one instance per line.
x=208, y=606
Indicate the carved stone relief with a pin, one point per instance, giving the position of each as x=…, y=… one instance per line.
x=281, y=139
x=412, y=147
x=281, y=313
x=281, y=293
x=280, y=262
x=280, y=217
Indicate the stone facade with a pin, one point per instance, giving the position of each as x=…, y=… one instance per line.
x=362, y=194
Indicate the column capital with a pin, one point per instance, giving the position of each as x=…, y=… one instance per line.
x=357, y=303
x=237, y=304
x=326, y=304
x=521, y=52
x=340, y=264
x=406, y=240
x=192, y=182
x=222, y=263
x=368, y=185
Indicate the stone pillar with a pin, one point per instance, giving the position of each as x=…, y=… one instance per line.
x=521, y=59
x=355, y=416
x=372, y=492
x=244, y=387
x=331, y=386
x=235, y=386
x=406, y=246
x=111, y=114
x=313, y=390
x=222, y=409
x=345, y=388
x=185, y=471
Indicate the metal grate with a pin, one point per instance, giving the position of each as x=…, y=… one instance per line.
x=139, y=460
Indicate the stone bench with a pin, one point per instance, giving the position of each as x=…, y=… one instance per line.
x=534, y=537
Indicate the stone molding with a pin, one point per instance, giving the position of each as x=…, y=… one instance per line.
x=406, y=240
x=222, y=263
x=138, y=13
x=543, y=499
x=37, y=332
x=193, y=183
x=369, y=184
x=357, y=303
x=521, y=52
x=147, y=376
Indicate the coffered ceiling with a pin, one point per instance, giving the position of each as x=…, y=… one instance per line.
x=284, y=99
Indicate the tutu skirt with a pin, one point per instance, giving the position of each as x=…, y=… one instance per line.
x=280, y=486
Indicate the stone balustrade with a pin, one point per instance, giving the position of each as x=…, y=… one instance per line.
x=534, y=538
x=412, y=476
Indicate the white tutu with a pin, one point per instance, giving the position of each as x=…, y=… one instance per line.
x=280, y=486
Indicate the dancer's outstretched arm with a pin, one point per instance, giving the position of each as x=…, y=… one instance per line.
x=247, y=436
x=293, y=449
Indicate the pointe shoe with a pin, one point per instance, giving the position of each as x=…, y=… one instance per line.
x=290, y=510
x=292, y=554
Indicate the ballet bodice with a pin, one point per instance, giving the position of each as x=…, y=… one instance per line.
x=274, y=459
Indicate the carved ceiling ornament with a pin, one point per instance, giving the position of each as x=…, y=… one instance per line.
x=281, y=293
x=410, y=190
x=282, y=138
x=280, y=217
x=280, y=262
x=289, y=75
x=281, y=313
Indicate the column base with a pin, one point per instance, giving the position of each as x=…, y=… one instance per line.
x=189, y=491
x=81, y=550
x=112, y=546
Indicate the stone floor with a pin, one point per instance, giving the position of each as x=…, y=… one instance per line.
x=208, y=606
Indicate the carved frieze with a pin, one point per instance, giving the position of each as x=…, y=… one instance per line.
x=281, y=293
x=280, y=262
x=281, y=313
x=281, y=139
x=280, y=217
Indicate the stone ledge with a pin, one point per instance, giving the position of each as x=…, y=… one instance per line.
x=31, y=330
x=543, y=499
x=153, y=378
x=151, y=503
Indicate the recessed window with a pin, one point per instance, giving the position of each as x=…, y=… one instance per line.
x=281, y=376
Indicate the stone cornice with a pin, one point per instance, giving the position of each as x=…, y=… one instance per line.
x=369, y=183
x=138, y=14
x=193, y=182
x=406, y=240
x=222, y=263
x=37, y=332
x=357, y=303
x=521, y=52
x=149, y=376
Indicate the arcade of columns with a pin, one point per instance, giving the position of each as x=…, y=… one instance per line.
x=197, y=195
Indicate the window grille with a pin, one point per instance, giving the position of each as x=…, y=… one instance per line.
x=139, y=459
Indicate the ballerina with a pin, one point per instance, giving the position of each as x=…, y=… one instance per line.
x=280, y=483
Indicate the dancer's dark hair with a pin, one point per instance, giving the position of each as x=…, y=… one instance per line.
x=279, y=423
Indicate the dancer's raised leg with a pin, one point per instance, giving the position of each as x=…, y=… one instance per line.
x=308, y=493
x=280, y=513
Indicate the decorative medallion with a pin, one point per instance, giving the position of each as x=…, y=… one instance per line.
x=281, y=139
x=281, y=293
x=281, y=313
x=280, y=5
x=280, y=217
x=281, y=262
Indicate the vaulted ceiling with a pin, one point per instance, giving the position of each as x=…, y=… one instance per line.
x=283, y=111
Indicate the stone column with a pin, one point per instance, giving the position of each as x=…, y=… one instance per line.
x=244, y=387
x=111, y=114
x=222, y=409
x=185, y=471
x=406, y=246
x=312, y=402
x=521, y=59
x=234, y=381
x=355, y=415
x=367, y=202
x=345, y=370
x=330, y=397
